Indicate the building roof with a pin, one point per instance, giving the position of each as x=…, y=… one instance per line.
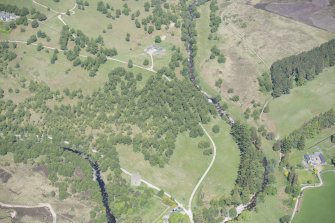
x=306, y=157
x=315, y=158
x=322, y=158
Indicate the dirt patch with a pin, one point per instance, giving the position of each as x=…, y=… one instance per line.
x=318, y=13
x=38, y=214
x=78, y=173
x=41, y=169
x=4, y=175
x=29, y=186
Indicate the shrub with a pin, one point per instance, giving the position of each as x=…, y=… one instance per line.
x=235, y=98
x=216, y=129
x=158, y=39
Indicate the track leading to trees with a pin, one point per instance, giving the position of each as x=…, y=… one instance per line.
x=205, y=173
x=60, y=14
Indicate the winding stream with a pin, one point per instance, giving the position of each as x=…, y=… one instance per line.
x=223, y=114
x=95, y=166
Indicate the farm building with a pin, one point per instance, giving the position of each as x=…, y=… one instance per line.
x=155, y=50
x=6, y=16
x=315, y=159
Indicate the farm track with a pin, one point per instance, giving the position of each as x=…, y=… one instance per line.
x=320, y=184
x=60, y=14
x=205, y=173
x=84, y=56
x=188, y=210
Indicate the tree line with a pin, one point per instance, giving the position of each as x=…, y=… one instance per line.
x=297, y=69
x=310, y=129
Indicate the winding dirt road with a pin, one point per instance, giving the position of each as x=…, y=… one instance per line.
x=41, y=205
x=81, y=55
x=196, y=187
x=204, y=175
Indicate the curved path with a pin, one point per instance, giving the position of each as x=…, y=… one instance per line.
x=302, y=189
x=266, y=103
x=189, y=210
x=72, y=12
x=152, y=62
x=41, y=205
x=81, y=55
x=204, y=175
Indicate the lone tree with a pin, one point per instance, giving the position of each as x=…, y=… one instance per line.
x=2, y=93
x=34, y=24
x=128, y=37
x=285, y=219
x=218, y=83
x=158, y=39
x=146, y=62
x=232, y=213
x=216, y=129
x=332, y=138
x=130, y=63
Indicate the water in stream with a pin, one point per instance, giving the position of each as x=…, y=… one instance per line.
x=95, y=166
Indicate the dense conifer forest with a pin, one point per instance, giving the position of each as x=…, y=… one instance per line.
x=297, y=69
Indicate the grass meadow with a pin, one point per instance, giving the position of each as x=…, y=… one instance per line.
x=318, y=203
x=181, y=174
x=221, y=178
x=289, y=112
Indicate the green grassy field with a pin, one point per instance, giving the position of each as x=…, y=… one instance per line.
x=151, y=212
x=318, y=203
x=289, y=112
x=179, y=218
x=306, y=177
x=181, y=174
x=115, y=37
x=25, y=3
x=221, y=178
x=61, y=6
x=37, y=66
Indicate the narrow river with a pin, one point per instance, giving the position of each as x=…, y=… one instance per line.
x=95, y=166
x=220, y=110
